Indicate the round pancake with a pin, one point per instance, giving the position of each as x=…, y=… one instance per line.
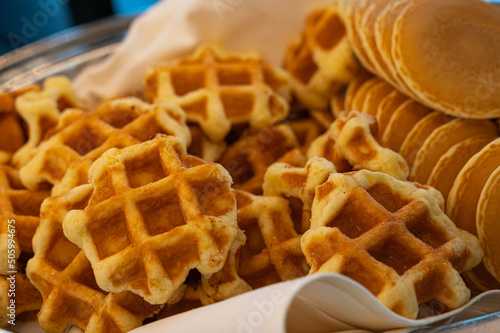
x=353, y=22
x=464, y=195
x=359, y=98
x=372, y=12
x=451, y=61
x=386, y=108
x=374, y=96
x=488, y=223
x=449, y=165
x=442, y=139
x=419, y=133
x=353, y=87
x=402, y=121
x=384, y=26
x=479, y=280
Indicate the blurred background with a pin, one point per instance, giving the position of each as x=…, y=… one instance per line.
x=25, y=21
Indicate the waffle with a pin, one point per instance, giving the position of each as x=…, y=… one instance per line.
x=21, y=206
x=338, y=103
x=11, y=127
x=487, y=218
x=352, y=137
x=64, y=276
x=202, y=290
x=155, y=213
x=321, y=62
x=248, y=158
x=203, y=148
x=393, y=238
x=297, y=185
x=26, y=298
x=218, y=90
x=40, y=110
x=80, y=138
x=272, y=251
x=322, y=118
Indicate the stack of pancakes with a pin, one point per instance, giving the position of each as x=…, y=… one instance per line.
x=373, y=154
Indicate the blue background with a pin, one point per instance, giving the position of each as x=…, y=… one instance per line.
x=25, y=21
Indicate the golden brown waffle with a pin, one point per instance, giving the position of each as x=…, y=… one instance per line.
x=248, y=158
x=297, y=185
x=40, y=110
x=19, y=216
x=13, y=136
x=202, y=147
x=218, y=89
x=321, y=62
x=392, y=237
x=272, y=251
x=307, y=130
x=204, y=290
x=155, y=214
x=64, y=276
x=80, y=138
x=26, y=298
x=351, y=138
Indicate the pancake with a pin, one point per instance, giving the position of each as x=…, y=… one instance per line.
x=449, y=165
x=353, y=23
x=383, y=35
x=419, y=133
x=386, y=108
x=374, y=96
x=371, y=14
x=353, y=87
x=402, y=121
x=464, y=195
x=479, y=280
x=451, y=61
x=488, y=223
x=359, y=99
x=442, y=139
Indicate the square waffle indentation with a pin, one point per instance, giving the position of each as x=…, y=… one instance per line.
x=385, y=196
x=237, y=105
x=162, y=213
x=85, y=139
x=119, y=115
x=206, y=192
x=357, y=218
x=395, y=253
x=103, y=226
x=185, y=80
x=144, y=171
x=233, y=76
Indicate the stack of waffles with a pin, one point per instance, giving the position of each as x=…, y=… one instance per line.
x=231, y=174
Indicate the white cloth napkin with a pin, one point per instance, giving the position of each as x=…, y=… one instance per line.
x=319, y=303
x=174, y=28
